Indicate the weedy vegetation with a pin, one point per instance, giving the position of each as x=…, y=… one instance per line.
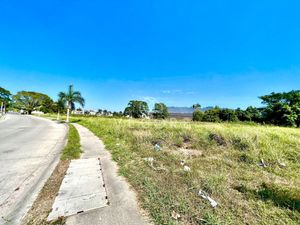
x=225, y=161
x=72, y=149
x=251, y=171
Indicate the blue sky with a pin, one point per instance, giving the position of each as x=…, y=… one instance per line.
x=222, y=53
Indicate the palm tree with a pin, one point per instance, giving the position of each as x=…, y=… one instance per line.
x=70, y=98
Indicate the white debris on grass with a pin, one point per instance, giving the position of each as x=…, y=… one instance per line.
x=186, y=169
x=281, y=164
x=150, y=160
x=157, y=147
x=204, y=195
x=262, y=163
x=175, y=215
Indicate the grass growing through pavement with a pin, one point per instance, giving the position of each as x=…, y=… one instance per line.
x=224, y=162
x=72, y=149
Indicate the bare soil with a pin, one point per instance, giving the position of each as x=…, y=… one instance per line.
x=42, y=206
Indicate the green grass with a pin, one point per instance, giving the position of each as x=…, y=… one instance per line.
x=224, y=162
x=72, y=149
x=226, y=168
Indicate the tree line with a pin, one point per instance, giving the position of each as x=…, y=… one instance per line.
x=281, y=109
x=29, y=101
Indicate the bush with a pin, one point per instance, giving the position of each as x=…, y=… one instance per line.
x=198, y=115
x=212, y=115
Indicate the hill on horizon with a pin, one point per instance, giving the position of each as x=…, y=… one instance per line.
x=185, y=110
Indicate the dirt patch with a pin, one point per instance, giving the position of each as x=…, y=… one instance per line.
x=40, y=209
x=220, y=140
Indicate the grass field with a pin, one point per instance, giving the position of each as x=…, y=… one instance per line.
x=224, y=161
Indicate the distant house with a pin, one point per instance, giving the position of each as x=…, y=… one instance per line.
x=92, y=113
x=36, y=112
x=77, y=112
x=145, y=116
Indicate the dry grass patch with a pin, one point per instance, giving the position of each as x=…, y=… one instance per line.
x=40, y=209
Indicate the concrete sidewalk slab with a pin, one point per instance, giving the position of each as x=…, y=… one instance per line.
x=82, y=189
x=123, y=208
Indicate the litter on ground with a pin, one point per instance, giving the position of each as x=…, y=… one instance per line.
x=186, y=169
x=204, y=195
x=262, y=163
x=281, y=164
x=182, y=163
x=150, y=160
x=175, y=215
x=157, y=147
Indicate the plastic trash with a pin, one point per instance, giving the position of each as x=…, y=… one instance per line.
x=204, y=195
x=150, y=160
x=175, y=215
x=262, y=163
x=182, y=162
x=281, y=164
x=157, y=147
x=186, y=169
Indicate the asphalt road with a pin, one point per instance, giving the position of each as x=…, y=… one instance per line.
x=29, y=152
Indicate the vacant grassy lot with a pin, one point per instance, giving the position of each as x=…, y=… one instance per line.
x=224, y=161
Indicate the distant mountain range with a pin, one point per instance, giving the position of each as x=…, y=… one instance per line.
x=185, y=110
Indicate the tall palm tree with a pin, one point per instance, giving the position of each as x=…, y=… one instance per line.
x=70, y=98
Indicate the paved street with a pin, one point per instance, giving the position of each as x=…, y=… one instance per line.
x=29, y=151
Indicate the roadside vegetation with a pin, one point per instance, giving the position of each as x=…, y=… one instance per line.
x=281, y=109
x=40, y=209
x=72, y=149
x=251, y=171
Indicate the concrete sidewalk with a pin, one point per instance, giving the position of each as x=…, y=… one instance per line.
x=123, y=208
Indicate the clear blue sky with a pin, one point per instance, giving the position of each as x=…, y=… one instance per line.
x=179, y=52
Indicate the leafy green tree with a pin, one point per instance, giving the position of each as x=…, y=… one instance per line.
x=242, y=115
x=5, y=98
x=69, y=98
x=196, y=106
x=254, y=114
x=136, y=109
x=296, y=110
x=29, y=101
x=228, y=115
x=212, y=115
x=48, y=105
x=117, y=114
x=198, y=115
x=282, y=108
x=160, y=111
